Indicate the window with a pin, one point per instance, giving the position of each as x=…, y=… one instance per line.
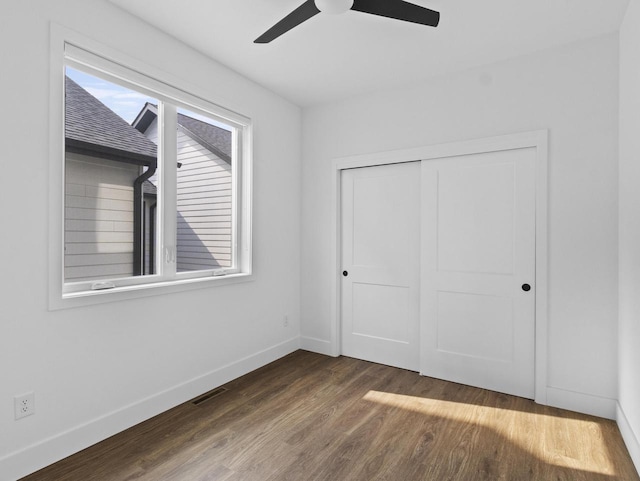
x=155, y=188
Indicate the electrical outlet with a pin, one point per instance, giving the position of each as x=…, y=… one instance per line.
x=24, y=405
x=285, y=321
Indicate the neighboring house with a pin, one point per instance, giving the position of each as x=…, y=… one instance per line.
x=110, y=169
x=204, y=190
x=106, y=162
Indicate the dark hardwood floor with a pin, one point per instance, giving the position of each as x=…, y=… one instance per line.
x=311, y=417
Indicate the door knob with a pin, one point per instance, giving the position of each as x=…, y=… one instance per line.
x=345, y=273
x=526, y=287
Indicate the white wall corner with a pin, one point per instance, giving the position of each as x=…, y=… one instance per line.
x=582, y=403
x=37, y=456
x=319, y=346
x=630, y=438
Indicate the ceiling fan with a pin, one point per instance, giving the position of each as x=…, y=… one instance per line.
x=397, y=9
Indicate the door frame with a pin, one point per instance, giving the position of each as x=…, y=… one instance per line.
x=537, y=139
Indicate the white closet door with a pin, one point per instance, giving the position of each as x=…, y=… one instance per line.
x=478, y=270
x=381, y=264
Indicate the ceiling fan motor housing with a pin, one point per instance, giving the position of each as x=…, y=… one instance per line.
x=333, y=6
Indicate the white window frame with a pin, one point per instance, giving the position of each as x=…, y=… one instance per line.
x=69, y=49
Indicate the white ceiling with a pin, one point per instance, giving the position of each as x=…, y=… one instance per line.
x=331, y=57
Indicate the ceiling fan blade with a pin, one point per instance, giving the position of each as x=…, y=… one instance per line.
x=304, y=12
x=398, y=9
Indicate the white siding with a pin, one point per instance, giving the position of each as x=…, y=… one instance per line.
x=98, y=218
x=152, y=132
x=204, y=207
x=149, y=210
x=203, y=203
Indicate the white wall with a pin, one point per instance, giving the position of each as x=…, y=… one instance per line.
x=629, y=267
x=573, y=92
x=99, y=369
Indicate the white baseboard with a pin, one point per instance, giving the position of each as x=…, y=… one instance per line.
x=629, y=437
x=317, y=345
x=48, y=451
x=582, y=403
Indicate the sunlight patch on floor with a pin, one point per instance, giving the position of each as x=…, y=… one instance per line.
x=551, y=439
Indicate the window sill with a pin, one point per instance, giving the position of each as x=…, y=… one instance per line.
x=88, y=298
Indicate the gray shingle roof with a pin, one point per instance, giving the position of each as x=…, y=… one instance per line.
x=91, y=125
x=149, y=188
x=213, y=137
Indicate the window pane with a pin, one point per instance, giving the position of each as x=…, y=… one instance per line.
x=204, y=193
x=110, y=194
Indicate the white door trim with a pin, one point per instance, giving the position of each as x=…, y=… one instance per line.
x=537, y=139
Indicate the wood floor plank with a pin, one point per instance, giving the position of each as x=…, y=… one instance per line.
x=309, y=417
